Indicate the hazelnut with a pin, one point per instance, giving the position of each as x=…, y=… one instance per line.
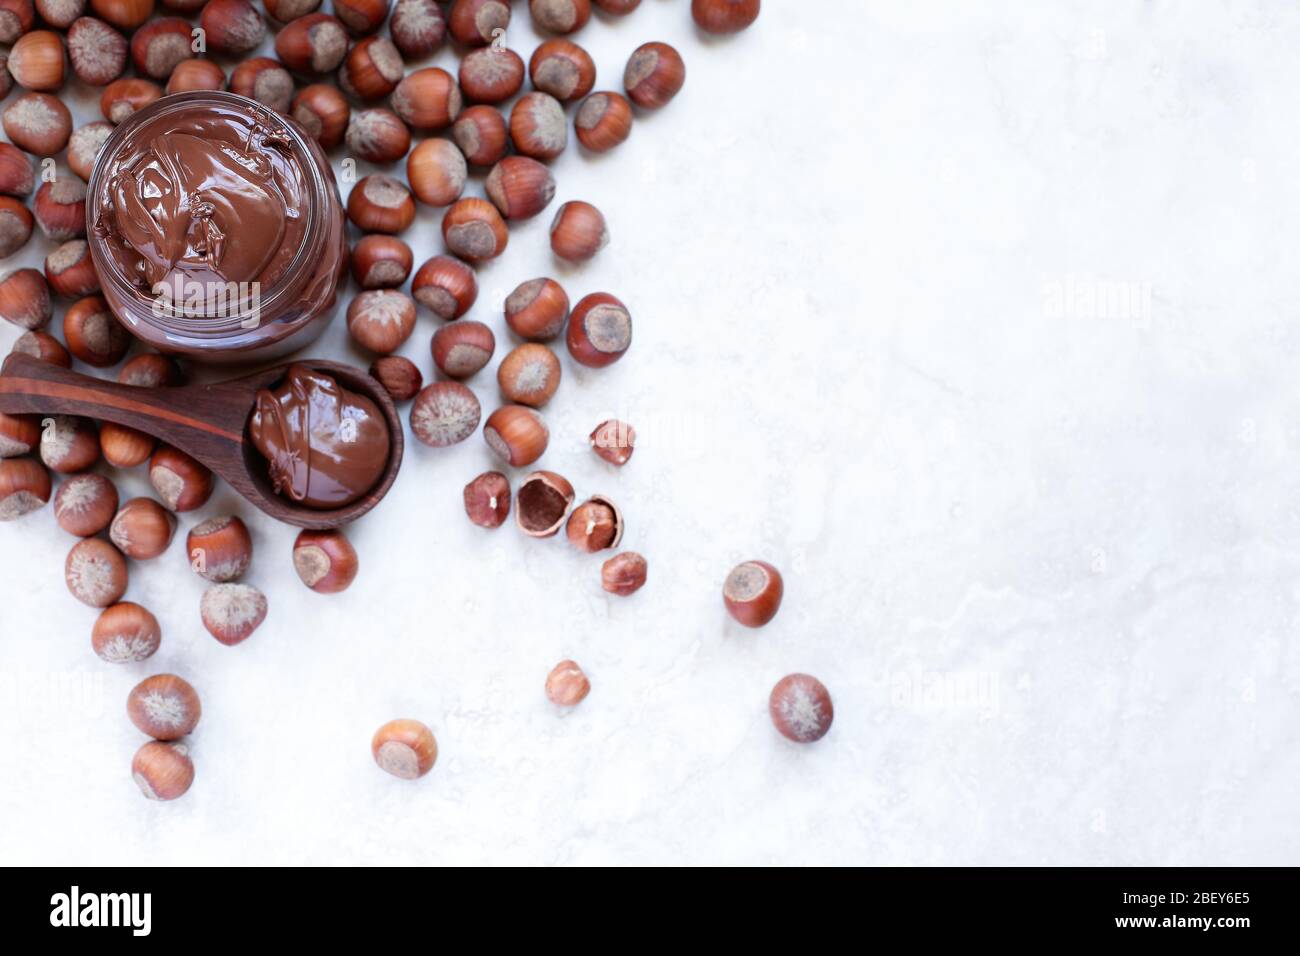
x=16, y=177
x=578, y=232
x=97, y=51
x=372, y=69
x=362, y=16
x=233, y=27
x=36, y=61
x=623, y=574
x=436, y=171
x=151, y=370
x=752, y=593
x=567, y=685
x=614, y=441
x=399, y=376
x=800, y=707
x=43, y=346
x=480, y=132
x=15, y=229
x=446, y=285
x=538, y=127
x=196, y=74
x=220, y=549
x=617, y=8
x=6, y=80
x=595, y=525
x=404, y=748
x=313, y=44
x=478, y=22
x=323, y=112
x=232, y=612
x=125, y=633
x=282, y=11
x=93, y=333
x=381, y=319
x=487, y=499
x=600, y=330
x=520, y=187
x=181, y=482
x=603, y=121
x=381, y=204
x=142, y=529
x=325, y=560
x=418, y=27
x=563, y=69
x=69, y=444
x=427, y=99
x=84, y=145
x=159, y=45
x=474, y=230
x=37, y=123
x=125, y=447
x=122, y=98
x=491, y=75
x=265, y=80
x=16, y=18
x=516, y=434
x=24, y=293
x=164, y=706
x=462, y=348
x=60, y=13
x=655, y=74
x=123, y=14
x=560, y=16
x=378, y=136
x=71, y=273
x=24, y=487
x=95, y=572
x=19, y=435
x=85, y=504
x=724, y=16
x=380, y=262
x=162, y=771
x=537, y=309
x=444, y=413
x=529, y=375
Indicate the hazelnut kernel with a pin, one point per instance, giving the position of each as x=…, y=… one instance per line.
x=623, y=574
x=399, y=376
x=487, y=499
x=752, y=593
x=801, y=708
x=567, y=685
x=405, y=748
x=164, y=706
x=614, y=441
x=595, y=525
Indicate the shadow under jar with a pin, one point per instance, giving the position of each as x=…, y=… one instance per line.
x=216, y=229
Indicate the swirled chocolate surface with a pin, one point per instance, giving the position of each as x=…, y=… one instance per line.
x=325, y=446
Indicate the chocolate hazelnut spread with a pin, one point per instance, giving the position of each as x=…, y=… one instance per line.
x=216, y=228
x=326, y=446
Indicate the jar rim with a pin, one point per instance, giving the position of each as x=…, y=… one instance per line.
x=204, y=327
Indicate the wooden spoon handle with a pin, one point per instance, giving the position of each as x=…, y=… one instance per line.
x=197, y=420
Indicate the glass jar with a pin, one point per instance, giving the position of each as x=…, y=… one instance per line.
x=216, y=229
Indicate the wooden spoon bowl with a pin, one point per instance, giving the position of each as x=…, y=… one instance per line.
x=207, y=422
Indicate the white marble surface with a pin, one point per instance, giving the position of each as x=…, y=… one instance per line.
x=1041, y=539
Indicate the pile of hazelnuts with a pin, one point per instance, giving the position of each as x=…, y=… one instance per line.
x=48, y=36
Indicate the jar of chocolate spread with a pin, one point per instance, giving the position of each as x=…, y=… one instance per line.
x=216, y=229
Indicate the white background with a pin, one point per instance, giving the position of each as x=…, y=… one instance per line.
x=1041, y=545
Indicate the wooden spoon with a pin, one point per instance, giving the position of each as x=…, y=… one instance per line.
x=207, y=422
